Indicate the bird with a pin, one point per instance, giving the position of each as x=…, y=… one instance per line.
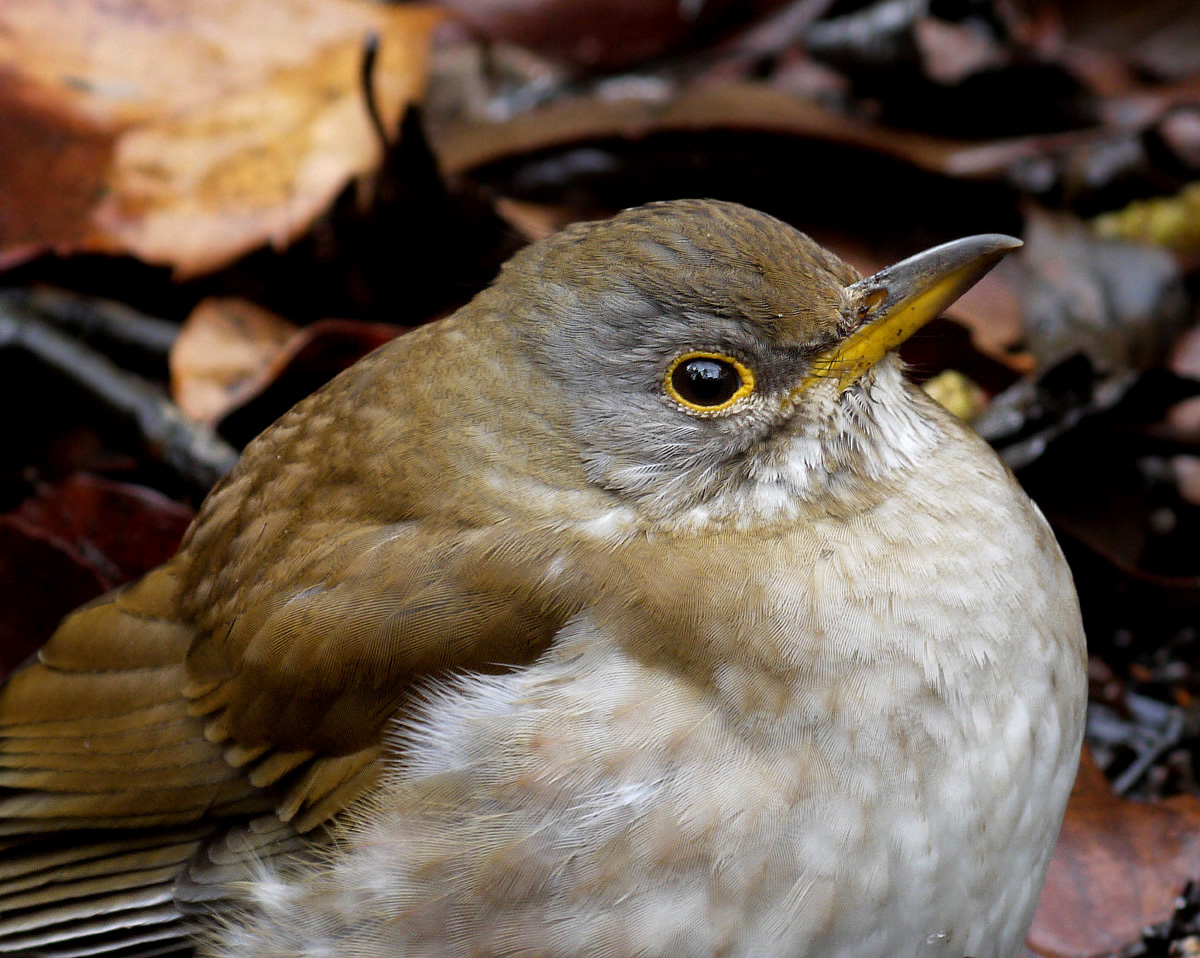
x=643, y=606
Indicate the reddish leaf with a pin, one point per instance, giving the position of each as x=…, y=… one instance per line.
x=41, y=579
x=122, y=530
x=74, y=541
x=1119, y=866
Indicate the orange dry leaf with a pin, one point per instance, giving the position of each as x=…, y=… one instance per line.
x=231, y=352
x=188, y=132
x=220, y=352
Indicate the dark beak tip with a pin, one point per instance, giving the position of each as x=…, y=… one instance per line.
x=1000, y=242
x=980, y=246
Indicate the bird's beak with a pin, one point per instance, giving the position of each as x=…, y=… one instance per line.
x=897, y=301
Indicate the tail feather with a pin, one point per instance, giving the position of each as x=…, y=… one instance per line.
x=108, y=787
x=121, y=817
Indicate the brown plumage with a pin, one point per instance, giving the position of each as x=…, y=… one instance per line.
x=527, y=490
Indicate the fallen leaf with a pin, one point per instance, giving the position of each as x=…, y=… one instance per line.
x=41, y=579
x=1170, y=221
x=952, y=51
x=234, y=359
x=602, y=34
x=1118, y=867
x=72, y=542
x=121, y=530
x=957, y=393
x=1091, y=450
x=466, y=141
x=1184, y=417
x=991, y=309
x=533, y=221
x=1162, y=38
x=306, y=362
x=189, y=134
x=1121, y=303
x=223, y=347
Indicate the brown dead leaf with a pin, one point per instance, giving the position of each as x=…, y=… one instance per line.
x=533, y=221
x=189, y=133
x=991, y=309
x=1162, y=38
x=466, y=141
x=220, y=352
x=1119, y=866
x=233, y=359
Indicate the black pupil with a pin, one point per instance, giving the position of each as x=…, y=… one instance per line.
x=706, y=382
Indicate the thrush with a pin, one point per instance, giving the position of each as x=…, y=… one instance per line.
x=641, y=607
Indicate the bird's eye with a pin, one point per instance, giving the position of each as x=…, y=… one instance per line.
x=708, y=382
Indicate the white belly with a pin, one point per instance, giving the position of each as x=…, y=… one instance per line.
x=592, y=806
x=650, y=821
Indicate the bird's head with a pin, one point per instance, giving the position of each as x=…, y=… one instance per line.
x=722, y=366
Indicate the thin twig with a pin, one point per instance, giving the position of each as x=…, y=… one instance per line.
x=196, y=454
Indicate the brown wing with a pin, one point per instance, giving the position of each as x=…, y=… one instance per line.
x=354, y=552
x=136, y=745
x=107, y=784
x=253, y=674
x=334, y=647
x=95, y=733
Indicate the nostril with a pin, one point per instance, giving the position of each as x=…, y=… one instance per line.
x=871, y=303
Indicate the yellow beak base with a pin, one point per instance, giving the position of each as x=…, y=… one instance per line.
x=898, y=300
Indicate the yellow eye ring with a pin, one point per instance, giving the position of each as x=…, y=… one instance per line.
x=707, y=382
